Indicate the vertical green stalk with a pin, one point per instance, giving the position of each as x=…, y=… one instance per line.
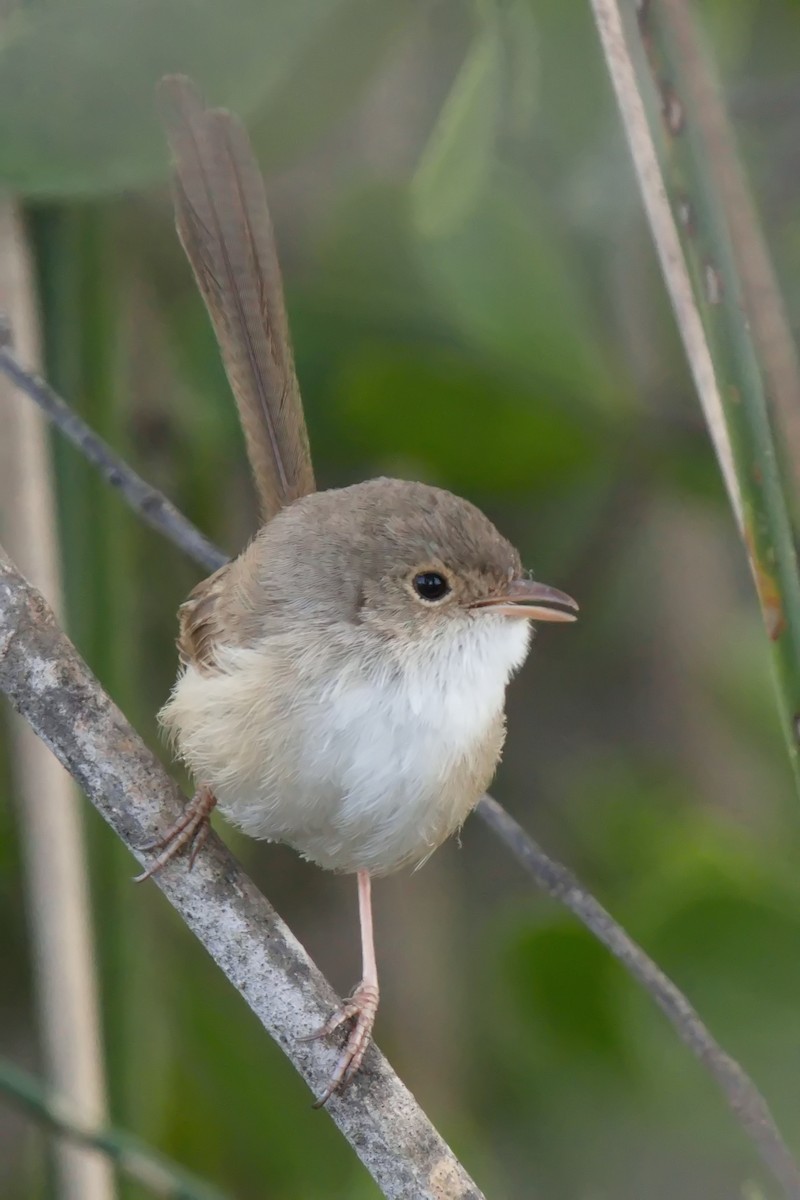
x=665, y=89
x=79, y=288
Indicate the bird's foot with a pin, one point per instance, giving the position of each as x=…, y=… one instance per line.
x=190, y=829
x=360, y=1008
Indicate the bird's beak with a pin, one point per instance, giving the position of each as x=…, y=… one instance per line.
x=530, y=600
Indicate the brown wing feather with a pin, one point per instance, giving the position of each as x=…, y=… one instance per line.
x=223, y=610
x=224, y=225
x=199, y=629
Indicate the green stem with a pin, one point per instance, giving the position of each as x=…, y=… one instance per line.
x=694, y=174
x=687, y=129
x=132, y=1157
x=80, y=288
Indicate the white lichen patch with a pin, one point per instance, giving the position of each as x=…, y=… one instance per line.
x=42, y=675
x=249, y=942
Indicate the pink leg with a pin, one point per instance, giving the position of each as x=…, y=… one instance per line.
x=361, y=1007
x=190, y=829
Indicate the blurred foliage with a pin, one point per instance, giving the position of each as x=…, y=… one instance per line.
x=77, y=80
x=474, y=302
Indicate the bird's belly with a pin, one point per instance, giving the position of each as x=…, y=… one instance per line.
x=361, y=776
x=370, y=783
x=394, y=791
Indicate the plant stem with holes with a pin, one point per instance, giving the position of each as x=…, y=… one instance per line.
x=692, y=187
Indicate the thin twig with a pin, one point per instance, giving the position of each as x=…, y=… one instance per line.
x=132, y=1157
x=745, y=1101
x=656, y=67
x=48, y=682
x=50, y=811
x=151, y=505
x=558, y=882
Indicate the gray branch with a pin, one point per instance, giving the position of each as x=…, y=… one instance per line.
x=50, y=685
x=739, y=1091
x=150, y=504
x=743, y=1097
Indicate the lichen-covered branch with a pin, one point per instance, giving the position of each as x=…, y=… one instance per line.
x=48, y=682
x=561, y=885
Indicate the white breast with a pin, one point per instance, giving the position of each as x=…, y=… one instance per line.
x=353, y=770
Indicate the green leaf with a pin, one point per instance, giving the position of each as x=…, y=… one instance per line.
x=457, y=161
x=563, y=985
x=431, y=409
x=77, y=111
x=521, y=42
x=730, y=29
x=727, y=933
x=508, y=282
x=329, y=75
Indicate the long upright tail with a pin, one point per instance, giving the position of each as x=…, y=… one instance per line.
x=224, y=225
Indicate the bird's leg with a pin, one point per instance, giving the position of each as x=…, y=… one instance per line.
x=190, y=829
x=361, y=1006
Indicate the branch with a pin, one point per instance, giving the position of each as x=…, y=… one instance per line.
x=150, y=504
x=132, y=1157
x=743, y=1097
x=49, y=684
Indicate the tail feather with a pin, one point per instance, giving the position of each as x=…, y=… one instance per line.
x=224, y=225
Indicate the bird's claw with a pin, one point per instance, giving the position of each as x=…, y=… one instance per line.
x=360, y=1008
x=190, y=829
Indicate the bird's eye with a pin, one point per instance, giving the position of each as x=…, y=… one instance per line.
x=430, y=585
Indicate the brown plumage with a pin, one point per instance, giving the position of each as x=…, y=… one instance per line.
x=345, y=555
x=201, y=619
x=224, y=226
x=343, y=679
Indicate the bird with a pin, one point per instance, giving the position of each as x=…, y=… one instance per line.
x=342, y=681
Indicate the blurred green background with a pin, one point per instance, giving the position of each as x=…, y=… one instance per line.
x=474, y=302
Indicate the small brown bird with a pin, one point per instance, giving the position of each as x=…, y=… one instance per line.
x=343, y=680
